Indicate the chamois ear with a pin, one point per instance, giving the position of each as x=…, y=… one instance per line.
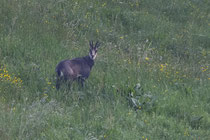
x=97, y=44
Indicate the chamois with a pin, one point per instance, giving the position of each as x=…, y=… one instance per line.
x=77, y=68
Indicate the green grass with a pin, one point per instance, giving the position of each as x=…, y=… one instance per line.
x=150, y=80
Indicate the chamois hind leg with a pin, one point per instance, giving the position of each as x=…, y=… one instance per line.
x=58, y=82
x=69, y=83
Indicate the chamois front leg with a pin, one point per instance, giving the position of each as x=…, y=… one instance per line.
x=81, y=81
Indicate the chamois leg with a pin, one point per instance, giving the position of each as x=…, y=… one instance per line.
x=69, y=83
x=81, y=81
x=58, y=82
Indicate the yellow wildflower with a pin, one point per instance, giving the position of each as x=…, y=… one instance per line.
x=45, y=94
x=97, y=30
x=147, y=58
x=186, y=133
x=204, y=68
x=49, y=83
x=162, y=67
x=103, y=5
x=5, y=76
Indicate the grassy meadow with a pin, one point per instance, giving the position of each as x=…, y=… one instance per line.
x=150, y=81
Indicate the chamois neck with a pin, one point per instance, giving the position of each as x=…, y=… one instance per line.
x=89, y=61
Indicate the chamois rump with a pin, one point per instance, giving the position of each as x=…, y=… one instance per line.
x=77, y=68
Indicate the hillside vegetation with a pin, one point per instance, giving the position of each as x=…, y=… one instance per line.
x=150, y=81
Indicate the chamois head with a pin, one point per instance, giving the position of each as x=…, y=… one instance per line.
x=93, y=49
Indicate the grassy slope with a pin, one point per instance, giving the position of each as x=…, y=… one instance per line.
x=163, y=46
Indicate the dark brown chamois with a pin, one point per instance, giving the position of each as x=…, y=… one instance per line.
x=77, y=68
